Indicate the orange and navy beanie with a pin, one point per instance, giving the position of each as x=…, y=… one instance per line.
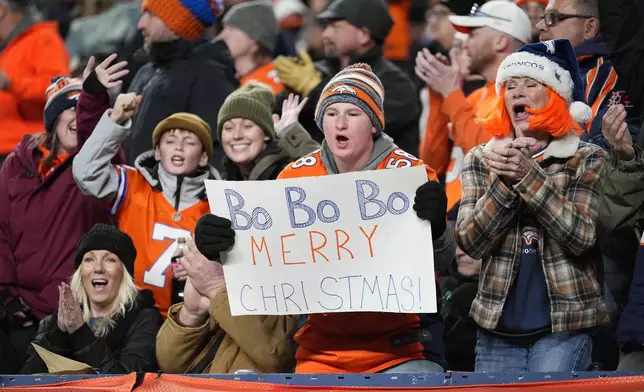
x=61, y=95
x=186, y=18
x=358, y=85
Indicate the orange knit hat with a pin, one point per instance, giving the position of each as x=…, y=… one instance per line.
x=186, y=18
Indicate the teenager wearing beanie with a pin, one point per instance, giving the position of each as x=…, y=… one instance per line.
x=42, y=214
x=350, y=114
x=256, y=147
x=158, y=200
x=104, y=320
x=529, y=209
x=187, y=72
x=250, y=30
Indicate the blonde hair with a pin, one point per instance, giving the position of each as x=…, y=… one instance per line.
x=123, y=303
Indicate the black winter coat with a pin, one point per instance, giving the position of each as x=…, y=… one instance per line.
x=192, y=77
x=622, y=26
x=128, y=347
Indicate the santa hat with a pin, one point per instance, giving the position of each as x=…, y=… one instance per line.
x=554, y=64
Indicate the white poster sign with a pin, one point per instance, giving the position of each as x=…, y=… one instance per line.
x=339, y=243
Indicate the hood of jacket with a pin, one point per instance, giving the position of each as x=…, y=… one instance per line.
x=592, y=47
x=382, y=147
x=180, y=191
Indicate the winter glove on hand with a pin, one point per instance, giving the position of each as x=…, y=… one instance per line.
x=299, y=75
x=430, y=204
x=214, y=235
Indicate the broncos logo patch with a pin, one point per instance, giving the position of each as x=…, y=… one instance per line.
x=529, y=235
x=341, y=89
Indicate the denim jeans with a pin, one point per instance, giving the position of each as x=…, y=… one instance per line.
x=416, y=366
x=555, y=352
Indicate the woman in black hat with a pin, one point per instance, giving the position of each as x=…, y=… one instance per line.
x=103, y=320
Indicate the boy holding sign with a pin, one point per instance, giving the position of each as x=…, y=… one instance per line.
x=350, y=113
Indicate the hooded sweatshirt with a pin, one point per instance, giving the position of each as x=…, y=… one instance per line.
x=369, y=342
x=154, y=207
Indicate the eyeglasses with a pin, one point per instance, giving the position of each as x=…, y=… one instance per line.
x=476, y=11
x=553, y=18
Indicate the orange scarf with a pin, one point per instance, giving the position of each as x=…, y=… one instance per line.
x=45, y=171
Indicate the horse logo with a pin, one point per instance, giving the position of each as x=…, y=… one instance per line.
x=550, y=46
x=344, y=89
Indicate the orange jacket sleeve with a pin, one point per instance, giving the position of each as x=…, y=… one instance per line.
x=435, y=146
x=466, y=132
x=49, y=58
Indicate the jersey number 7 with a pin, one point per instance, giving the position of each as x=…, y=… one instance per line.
x=155, y=276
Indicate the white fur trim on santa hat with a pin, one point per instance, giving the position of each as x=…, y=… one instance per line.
x=580, y=112
x=539, y=68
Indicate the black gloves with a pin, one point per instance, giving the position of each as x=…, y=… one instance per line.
x=430, y=204
x=213, y=235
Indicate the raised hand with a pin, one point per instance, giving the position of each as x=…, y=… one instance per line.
x=125, y=107
x=291, y=109
x=107, y=74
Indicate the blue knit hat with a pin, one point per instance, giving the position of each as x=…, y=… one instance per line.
x=554, y=64
x=61, y=95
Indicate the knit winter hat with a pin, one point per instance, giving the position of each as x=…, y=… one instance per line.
x=110, y=238
x=187, y=122
x=61, y=95
x=186, y=18
x=254, y=101
x=257, y=19
x=554, y=64
x=356, y=84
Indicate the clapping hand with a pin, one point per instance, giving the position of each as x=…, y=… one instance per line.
x=106, y=73
x=291, y=109
x=207, y=277
x=440, y=75
x=513, y=161
x=615, y=131
x=70, y=315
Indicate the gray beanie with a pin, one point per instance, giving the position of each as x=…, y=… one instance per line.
x=257, y=19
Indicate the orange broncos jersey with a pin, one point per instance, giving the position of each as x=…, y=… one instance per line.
x=356, y=342
x=266, y=74
x=154, y=225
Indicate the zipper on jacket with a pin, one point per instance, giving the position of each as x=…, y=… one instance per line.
x=177, y=193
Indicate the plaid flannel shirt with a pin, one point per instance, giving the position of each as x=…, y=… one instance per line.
x=563, y=192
